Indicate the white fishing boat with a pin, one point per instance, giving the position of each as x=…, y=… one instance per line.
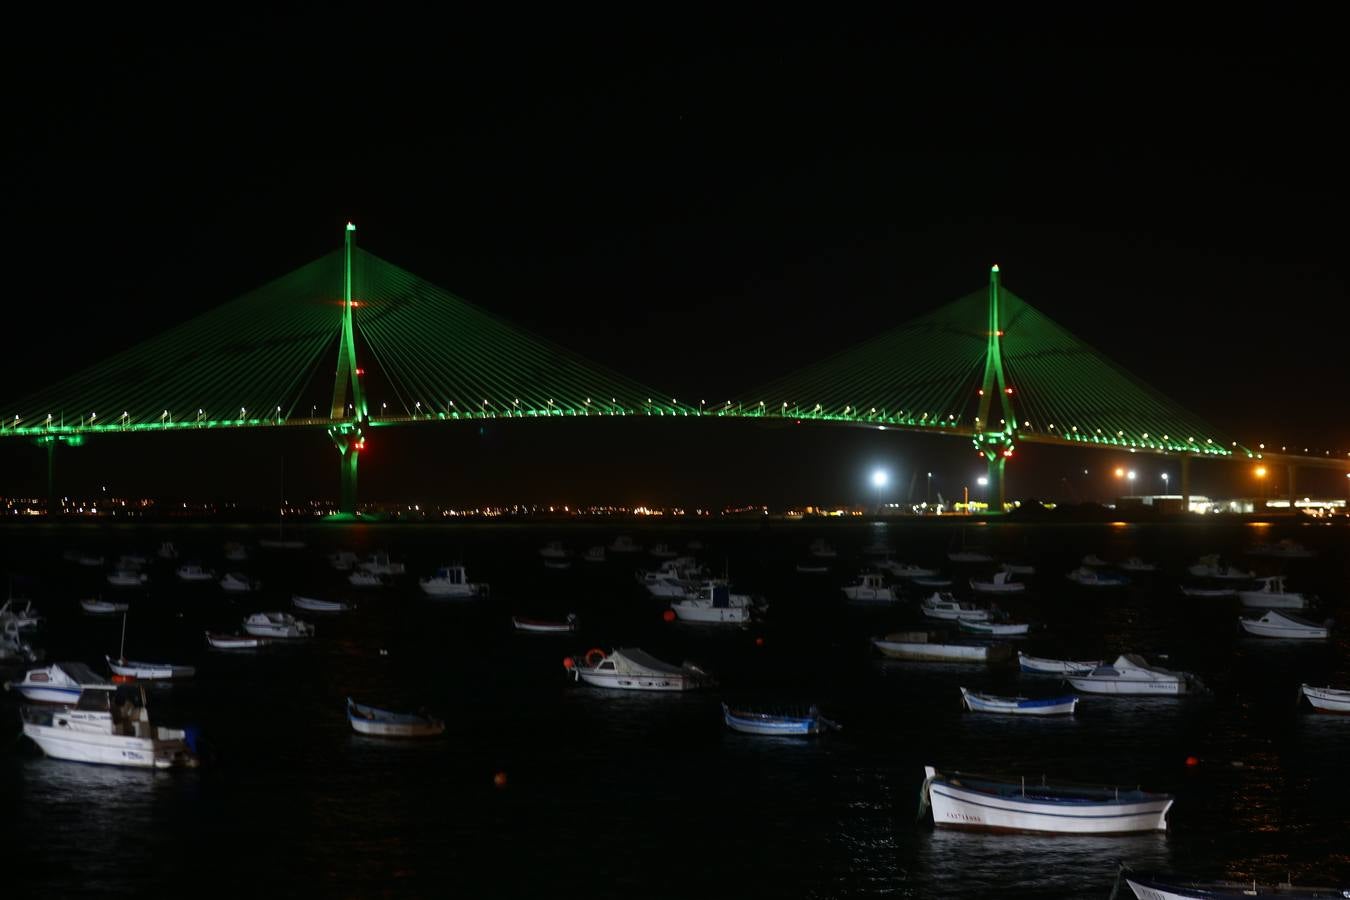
x=818, y=549
x=277, y=625
x=546, y=626
x=13, y=648
x=57, y=683
x=1272, y=595
x=1135, y=564
x=239, y=583
x=994, y=629
x=987, y=803
x=103, y=607
x=311, y=604
x=906, y=570
x=220, y=641
x=194, y=572
x=777, y=723
x=813, y=568
x=167, y=550
x=1041, y=666
x=1168, y=887
x=554, y=550
x=1086, y=577
x=25, y=619
x=946, y=606
x=1000, y=583
x=663, y=551
x=379, y=563
x=1019, y=706
x=127, y=578
x=1286, y=548
x=870, y=588
x=1092, y=560
x=451, y=581
x=594, y=554
x=148, y=671
x=631, y=669
x=1327, y=699
x=674, y=578
x=623, y=544
x=364, y=579
x=712, y=604
x=382, y=723
x=1131, y=674
x=235, y=551
x=925, y=646
x=1276, y=624
x=342, y=560
x=1212, y=567
x=110, y=726
x=1210, y=593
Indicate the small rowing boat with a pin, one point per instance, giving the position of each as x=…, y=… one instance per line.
x=924, y=646
x=994, y=629
x=545, y=626
x=370, y=720
x=103, y=607
x=807, y=722
x=1041, y=666
x=146, y=671
x=311, y=604
x=1019, y=706
x=235, y=641
x=1327, y=699
x=1170, y=887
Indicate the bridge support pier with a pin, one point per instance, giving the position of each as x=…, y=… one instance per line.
x=51, y=476
x=996, y=493
x=1293, y=486
x=1185, y=484
x=347, y=474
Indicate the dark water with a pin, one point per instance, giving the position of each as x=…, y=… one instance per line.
x=649, y=795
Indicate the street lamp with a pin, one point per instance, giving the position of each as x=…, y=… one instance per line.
x=928, y=496
x=1165, y=484
x=879, y=480
x=1260, y=473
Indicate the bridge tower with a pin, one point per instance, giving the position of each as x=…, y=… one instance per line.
x=994, y=440
x=348, y=415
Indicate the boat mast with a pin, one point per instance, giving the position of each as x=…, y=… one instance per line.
x=122, y=650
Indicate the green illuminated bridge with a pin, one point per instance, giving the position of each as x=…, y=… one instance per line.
x=310, y=348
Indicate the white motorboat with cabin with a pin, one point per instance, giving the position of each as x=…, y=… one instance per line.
x=370, y=720
x=1212, y=567
x=1018, y=706
x=870, y=588
x=554, y=550
x=1000, y=583
x=364, y=579
x=1131, y=674
x=1272, y=595
x=108, y=725
x=1083, y=576
x=57, y=683
x=945, y=606
x=451, y=581
x=1041, y=666
x=987, y=803
x=379, y=563
x=239, y=583
x=927, y=646
x=103, y=607
x=277, y=625
x=674, y=578
x=127, y=578
x=13, y=648
x=713, y=604
x=312, y=604
x=623, y=544
x=1327, y=699
x=1286, y=626
x=193, y=572
x=631, y=669
x=1135, y=564
x=147, y=671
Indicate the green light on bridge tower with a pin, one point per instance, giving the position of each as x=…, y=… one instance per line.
x=347, y=435
x=995, y=445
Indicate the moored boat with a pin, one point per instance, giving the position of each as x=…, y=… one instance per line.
x=194, y=572
x=631, y=669
x=239, y=583
x=663, y=551
x=1212, y=566
x=1000, y=583
x=1135, y=564
x=869, y=588
x=1286, y=548
x=277, y=625
x=623, y=544
x=127, y=578
x=946, y=606
x=25, y=619
x=364, y=579
x=1131, y=674
x=1210, y=593
x=811, y=568
x=776, y=724
x=148, y=671
x=935, y=581
x=370, y=720
x=312, y=604
x=221, y=641
x=451, y=581
x=58, y=683
x=1170, y=887
x=987, y=803
x=594, y=554
x=925, y=646
x=1088, y=577
x=713, y=603
x=1042, y=666
x=109, y=726
x=821, y=550
x=996, y=629
x=1272, y=595
x=907, y=570
x=545, y=626
x=103, y=607
x=1327, y=699
x=1277, y=624
x=1019, y=706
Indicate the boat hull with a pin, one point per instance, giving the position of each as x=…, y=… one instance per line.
x=109, y=750
x=955, y=807
x=1126, y=687
x=235, y=641
x=1151, y=889
x=1327, y=700
x=1284, y=632
x=143, y=671
x=536, y=626
x=623, y=682
x=1018, y=706
x=773, y=726
x=1055, y=666
x=1266, y=600
x=42, y=693
x=924, y=652
x=711, y=615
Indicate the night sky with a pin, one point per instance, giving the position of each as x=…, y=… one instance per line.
x=703, y=204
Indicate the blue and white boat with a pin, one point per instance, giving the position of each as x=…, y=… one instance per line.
x=378, y=722
x=58, y=683
x=1019, y=706
x=986, y=803
x=807, y=722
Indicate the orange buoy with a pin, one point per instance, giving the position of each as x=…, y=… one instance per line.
x=1192, y=761
x=594, y=657
x=123, y=679
x=499, y=780
x=759, y=642
x=668, y=615
x=568, y=662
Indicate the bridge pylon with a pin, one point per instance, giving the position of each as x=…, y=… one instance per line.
x=350, y=415
x=994, y=440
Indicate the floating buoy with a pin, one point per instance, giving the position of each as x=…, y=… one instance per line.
x=499, y=780
x=568, y=662
x=759, y=642
x=1192, y=761
x=668, y=615
x=123, y=679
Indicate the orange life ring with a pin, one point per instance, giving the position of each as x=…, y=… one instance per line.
x=598, y=654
